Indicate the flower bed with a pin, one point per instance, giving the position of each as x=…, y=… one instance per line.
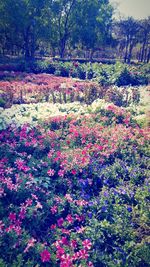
x=75, y=190
x=36, y=88
x=48, y=88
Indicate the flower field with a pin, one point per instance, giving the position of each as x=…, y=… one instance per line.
x=74, y=174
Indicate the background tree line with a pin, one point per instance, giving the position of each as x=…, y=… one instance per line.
x=55, y=26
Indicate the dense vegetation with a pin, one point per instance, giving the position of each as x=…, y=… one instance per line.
x=72, y=28
x=74, y=175
x=74, y=135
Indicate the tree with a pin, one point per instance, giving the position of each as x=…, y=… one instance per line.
x=62, y=21
x=93, y=24
x=85, y=22
x=22, y=22
x=26, y=24
x=128, y=34
x=145, y=40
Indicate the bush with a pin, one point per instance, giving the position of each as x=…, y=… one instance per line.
x=43, y=66
x=62, y=69
x=2, y=102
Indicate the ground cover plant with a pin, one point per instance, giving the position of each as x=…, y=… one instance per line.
x=74, y=180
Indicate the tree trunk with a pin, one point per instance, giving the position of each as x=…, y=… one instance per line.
x=126, y=50
x=130, y=53
x=27, y=51
x=139, y=55
x=143, y=49
x=148, y=55
x=62, y=48
x=146, y=52
x=26, y=43
x=91, y=54
x=33, y=44
x=33, y=51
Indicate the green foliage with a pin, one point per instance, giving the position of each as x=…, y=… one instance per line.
x=2, y=102
x=118, y=74
x=32, y=24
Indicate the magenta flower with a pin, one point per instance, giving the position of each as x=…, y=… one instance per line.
x=60, y=222
x=61, y=173
x=12, y=216
x=45, y=255
x=73, y=172
x=87, y=244
x=69, y=218
x=54, y=209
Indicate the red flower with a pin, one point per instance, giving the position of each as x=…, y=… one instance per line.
x=73, y=172
x=53, y=226
x=45, y=256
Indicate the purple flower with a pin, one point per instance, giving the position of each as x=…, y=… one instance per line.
x=129, y=209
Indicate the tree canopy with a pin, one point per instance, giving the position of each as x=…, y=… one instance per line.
x=27, y=26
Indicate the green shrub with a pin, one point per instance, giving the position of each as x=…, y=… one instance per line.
x=2, y=102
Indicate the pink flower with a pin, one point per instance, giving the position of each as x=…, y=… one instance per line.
x=54, y=209
x=50, y=172
x=73, y=243
x=69, y=198
x=1, y=226
x=20, y=164
x=64, y=241
x=45, y=255
x=18, y=230
x=10, y=228
x=86, y=244
x=66, y=261
x=79, y=218
x=65, y=231
x=29, y=202
x=34, y=196
x=73, y=172
x=69, y=218
x=83, y=254
x=61, y=173
x=30, y=244
x=90, y=264
x=60, y=252
x=9, y=170
x=51, y=152
x=53, y=226
x=22, y=213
